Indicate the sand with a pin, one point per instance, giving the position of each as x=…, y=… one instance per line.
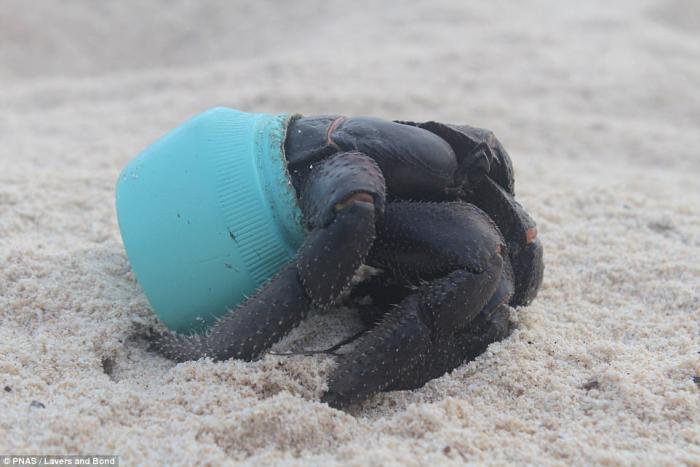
x=598, y=104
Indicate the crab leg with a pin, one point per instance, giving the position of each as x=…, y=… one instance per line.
x=244, y=332
x=340, y=201
x=413, y=342
x=431, y=331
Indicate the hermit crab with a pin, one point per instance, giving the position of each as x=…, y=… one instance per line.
x=429, y=206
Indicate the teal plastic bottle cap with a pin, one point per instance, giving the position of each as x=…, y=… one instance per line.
x=208, y=213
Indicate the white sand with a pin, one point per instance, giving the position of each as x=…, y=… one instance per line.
x=599, y=105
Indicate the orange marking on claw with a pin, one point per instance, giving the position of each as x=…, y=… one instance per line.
x=531, y=235
x=361, y=197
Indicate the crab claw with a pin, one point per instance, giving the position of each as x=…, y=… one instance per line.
x=399, y=344
x=478, y=152
x=416, y=341
x=524, y=248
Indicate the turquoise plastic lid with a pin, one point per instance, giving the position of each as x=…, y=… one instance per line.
x=208, y=213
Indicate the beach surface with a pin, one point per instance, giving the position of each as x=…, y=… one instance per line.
x=598, y=104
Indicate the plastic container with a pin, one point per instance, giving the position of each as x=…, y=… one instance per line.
x=208, y=213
